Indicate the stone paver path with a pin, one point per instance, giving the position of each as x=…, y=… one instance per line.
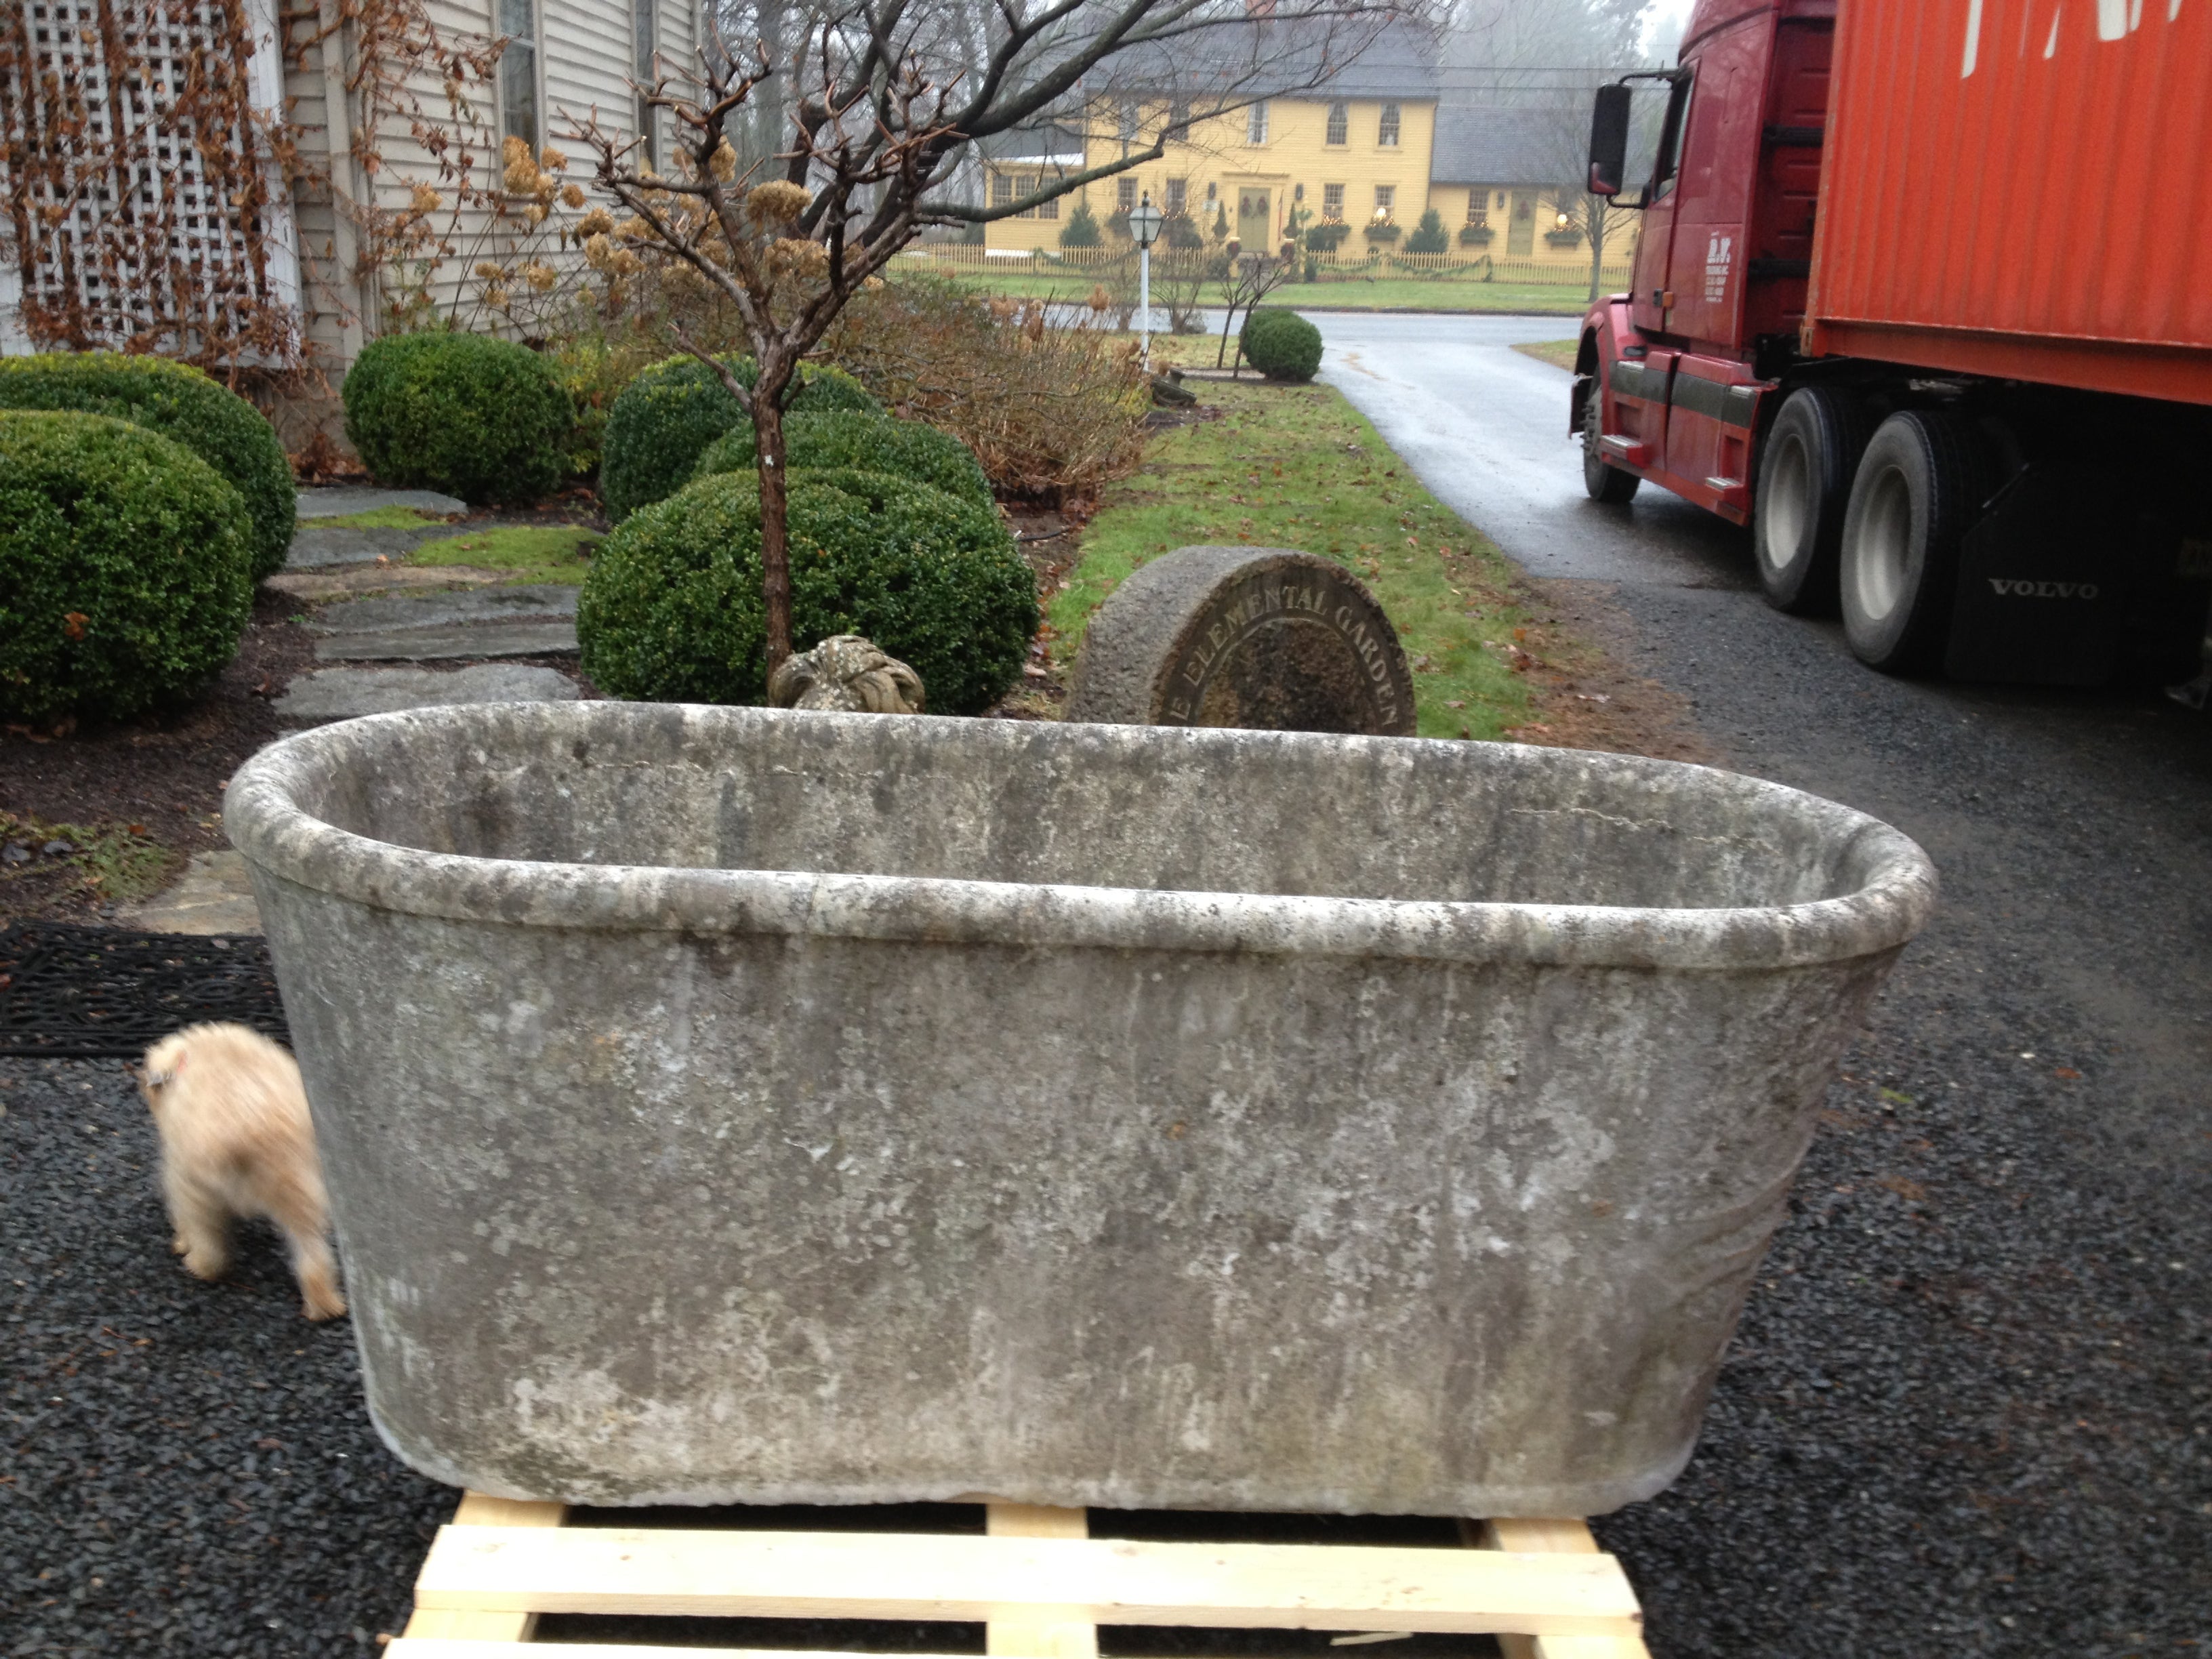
x=317, y=546
x=342, y=501
x=492, y=621
x=212, y=898
x=334, y=694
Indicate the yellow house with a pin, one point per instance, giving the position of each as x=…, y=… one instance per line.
x=1501, y=180
x=1353, y=150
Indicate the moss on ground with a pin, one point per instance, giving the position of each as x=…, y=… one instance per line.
x=527, y=552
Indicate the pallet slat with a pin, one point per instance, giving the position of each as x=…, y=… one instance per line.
x=1528, y=1537
x=1041, y=1632
x=935, y=1577
x=508, y=1628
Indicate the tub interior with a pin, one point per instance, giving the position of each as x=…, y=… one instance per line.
x=1108, y=806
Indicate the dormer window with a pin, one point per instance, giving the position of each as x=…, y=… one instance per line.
x=1339, y=125
x=1386, y=131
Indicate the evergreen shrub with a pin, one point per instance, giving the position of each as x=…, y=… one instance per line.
x=183, y=404
x=482, y=418
x=1428, y=236
x=1081, y=229
x=671, y=611
x=1281, y=344
x=664, y=419
x=126, y=567
x=865, y=443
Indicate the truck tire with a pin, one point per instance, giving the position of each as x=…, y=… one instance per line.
x=1805, y=471
x=1912, y=504
x=1604, y=482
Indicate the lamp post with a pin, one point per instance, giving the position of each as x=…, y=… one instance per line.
x=1144, y=223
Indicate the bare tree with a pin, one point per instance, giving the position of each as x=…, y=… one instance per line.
x=1244, y=280
x=879, y=102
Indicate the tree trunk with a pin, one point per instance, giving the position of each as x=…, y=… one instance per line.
x=775, y=541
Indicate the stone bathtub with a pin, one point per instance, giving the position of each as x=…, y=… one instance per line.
x=727, y=1105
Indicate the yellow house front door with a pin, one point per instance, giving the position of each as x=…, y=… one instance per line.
x=1256, y=226
x=1520, y=231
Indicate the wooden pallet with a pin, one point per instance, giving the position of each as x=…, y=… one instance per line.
x=1037, y=1581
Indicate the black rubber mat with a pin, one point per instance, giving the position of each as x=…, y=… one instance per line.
x=69, y=993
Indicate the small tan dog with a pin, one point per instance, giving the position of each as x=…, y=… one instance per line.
x=236, y=1140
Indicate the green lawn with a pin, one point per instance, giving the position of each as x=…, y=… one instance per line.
x=1296, y=466
x=1560, y=354
x=527, y=552
x=1384, y=294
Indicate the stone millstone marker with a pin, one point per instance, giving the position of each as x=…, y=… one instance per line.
x=1258, y=637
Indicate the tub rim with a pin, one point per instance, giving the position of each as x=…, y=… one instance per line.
x=263, y=821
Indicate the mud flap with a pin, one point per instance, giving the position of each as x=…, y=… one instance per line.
x=2058, y=585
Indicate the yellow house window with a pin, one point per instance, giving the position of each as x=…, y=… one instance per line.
x=1339, y=125
x=1386, y=198
x=1477, y=207
x=1127, y=121
x=1255, y=124
x=1178, y=196
x=1125, y=192
x=1002, y=190
x=1386, y=132
x=1332, y=203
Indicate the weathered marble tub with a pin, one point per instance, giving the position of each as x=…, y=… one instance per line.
x=729, y=1105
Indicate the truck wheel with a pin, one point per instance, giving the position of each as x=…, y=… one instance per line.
x=1604, y=481
x=1912, y=505
x=1804, y=487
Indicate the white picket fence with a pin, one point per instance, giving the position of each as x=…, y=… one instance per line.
x=1343, y=265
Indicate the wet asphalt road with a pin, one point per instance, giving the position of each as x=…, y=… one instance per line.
x=1970, y=1406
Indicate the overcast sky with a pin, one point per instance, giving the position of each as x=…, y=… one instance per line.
x=1663, y=27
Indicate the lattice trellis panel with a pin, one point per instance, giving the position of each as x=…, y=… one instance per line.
x=147, y=210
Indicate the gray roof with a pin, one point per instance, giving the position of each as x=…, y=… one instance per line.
x=1478, y=145
x=1307, y=57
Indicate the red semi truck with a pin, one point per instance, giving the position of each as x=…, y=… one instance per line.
x=1923, y=296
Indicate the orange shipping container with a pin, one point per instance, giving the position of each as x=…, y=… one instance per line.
x=2021, y=188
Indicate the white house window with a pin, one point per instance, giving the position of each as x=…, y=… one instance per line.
x=1339, y=125
x=644, y=42
x=1386, y=198
x=518, y=71
x=1386, y=133
x=1332, y=203
x=1255, y=124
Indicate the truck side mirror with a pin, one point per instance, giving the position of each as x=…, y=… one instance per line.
x=1608, y=145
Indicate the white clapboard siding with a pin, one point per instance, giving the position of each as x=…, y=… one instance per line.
x=585, y=59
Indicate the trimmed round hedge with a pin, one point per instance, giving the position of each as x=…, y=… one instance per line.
x=671, y=611
x=865, y=443
x=1281, y=344
x=663, y=420
x=480, y=418
x=126, y=567
x=183, y=404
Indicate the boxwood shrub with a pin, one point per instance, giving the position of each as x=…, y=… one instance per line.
x=1281, y=344
x=663, y=420
x=181, y=403
x=866, y=443
x=671, y=611
x=126, y=567
x=480, y=418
